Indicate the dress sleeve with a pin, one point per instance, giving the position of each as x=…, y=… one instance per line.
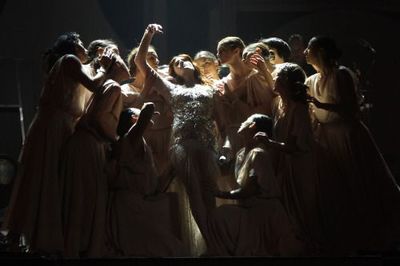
x=108, y=111
x=154, y=81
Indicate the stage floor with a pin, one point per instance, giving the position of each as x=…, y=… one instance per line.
x=386, y=260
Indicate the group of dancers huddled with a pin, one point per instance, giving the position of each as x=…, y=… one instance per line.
x=136, y=159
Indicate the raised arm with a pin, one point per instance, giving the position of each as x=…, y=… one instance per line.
x=140, y=58
x=75, y=69
x=108, y=111
x=259, y=62
x=152, y=78
x=142, y=123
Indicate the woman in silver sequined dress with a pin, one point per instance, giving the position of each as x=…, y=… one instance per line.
x=193, y=147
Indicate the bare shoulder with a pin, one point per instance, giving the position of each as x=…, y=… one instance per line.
x=112, y=87
x=70, y=60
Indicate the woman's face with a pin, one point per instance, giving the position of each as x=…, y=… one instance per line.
x=225, y=54
x=81, y=52
x=181, y=66
x=311, y=54
x=207, y=65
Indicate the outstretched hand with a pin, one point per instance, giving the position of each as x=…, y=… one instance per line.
x=154, y=28
x=147, y=111
x=258, y=61
x=107, y=59
x=311, y=99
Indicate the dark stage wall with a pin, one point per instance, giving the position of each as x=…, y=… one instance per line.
x=27, y=28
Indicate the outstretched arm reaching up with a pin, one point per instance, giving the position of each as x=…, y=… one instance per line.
x=140, y=58
x=151, y=76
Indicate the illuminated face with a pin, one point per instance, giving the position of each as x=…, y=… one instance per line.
x=81, y=52
x=311, y=53
x=274, y=57
x=224, y=54
x=182, y=66
x=207, y=66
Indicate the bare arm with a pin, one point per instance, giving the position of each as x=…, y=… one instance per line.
x=140, y=58
x=151, y=76
x=76, y=71
x=142, y=123
x=108, y=113
x=258, y=61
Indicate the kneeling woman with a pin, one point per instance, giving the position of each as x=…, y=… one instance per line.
x=259, y=225
x=139, y=217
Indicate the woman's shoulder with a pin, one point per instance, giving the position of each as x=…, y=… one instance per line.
x=69, y=59
x=313, y=77
x=111, y=87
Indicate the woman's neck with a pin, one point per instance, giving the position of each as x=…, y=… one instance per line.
x=239, y=69
x=189, y=80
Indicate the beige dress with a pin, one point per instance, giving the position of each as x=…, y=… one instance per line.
x=366, y=215
x=251, y=95
x=35, y=205
x=85, y=179
x=159, y=134
x=259, y=225
x=140, y=222
x=297, y=172
x=193, y=156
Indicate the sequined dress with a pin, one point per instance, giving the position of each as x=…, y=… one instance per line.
x=194, y=159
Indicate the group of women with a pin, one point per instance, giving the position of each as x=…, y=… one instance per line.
x=261, y=162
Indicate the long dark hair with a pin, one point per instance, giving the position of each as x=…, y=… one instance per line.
x=65, y=44
x=328, y=51
x=295, y=77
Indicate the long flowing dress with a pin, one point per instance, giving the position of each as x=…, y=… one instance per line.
x=193, y=156
x=159, y=135
x=258, y=225
x=297, y=172
x=251, y=95
x=35, y=204
x=140, y=222
x=366, y=214
x=85, y=179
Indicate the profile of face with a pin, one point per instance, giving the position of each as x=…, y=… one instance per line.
x=311, y=54
x=81, y=52
x=225, y=54
x=182, y=66
x=274, y=57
